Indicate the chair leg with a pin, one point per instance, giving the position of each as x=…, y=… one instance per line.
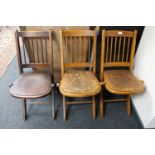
x=94, y=107
x=64, y=108
x=53, y=104
x=128, y=106
x=24, y=110
x=101, y=105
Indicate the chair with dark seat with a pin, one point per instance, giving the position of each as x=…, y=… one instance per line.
x=78, y=67
x=117, y=54
x=35, y=60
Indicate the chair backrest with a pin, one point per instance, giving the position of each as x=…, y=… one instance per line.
x=78, y=49
x=34, y=49
x=118, y=48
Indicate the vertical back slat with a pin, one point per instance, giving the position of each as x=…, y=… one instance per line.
x=75, y=50
x=28, y=49
x=79, y=49
x=119, y=48
x=114, y=59
x=33, y=50
x=89, y=49
x=107, y=49
x=124, y=39
x=70, y=49
x=37, y=49
x=128, y=47
x=111, y=49
x=23, y=47
x=42, y=51
x=46, y=50
x=84, y=48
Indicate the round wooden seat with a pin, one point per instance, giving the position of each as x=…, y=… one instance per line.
x=122, y=82
x=31, y=85
x=79, y=84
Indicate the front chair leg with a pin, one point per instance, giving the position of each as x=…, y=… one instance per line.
x=53, y=104
x=94, y=107
x=128, y=105
x=24, y=110
x=64, y=108
x=101, y=105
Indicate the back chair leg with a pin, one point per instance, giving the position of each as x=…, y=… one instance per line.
x=94, y=107
x=53, y=104
x=128, y=105
x=24, y=110
x=64, y=108
x=101, y=105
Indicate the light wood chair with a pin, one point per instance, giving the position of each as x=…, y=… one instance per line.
x=78, y=67
x=117, y=55
x=35, y=62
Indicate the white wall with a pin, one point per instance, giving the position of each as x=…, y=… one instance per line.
x=145, y=70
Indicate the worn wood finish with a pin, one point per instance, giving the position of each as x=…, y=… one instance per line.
x=122, y=82
x=78, y=83
x=118, y=48
x=33, y=84
x=78, y=33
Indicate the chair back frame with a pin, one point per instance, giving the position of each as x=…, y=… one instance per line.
x=118, y=49
x=27, y=47
x=81, y=40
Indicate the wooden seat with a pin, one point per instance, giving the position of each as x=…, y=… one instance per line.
x=78, y=53
x=31, y=85
x=122, y=82
x=34, y=54
x=117, y=55
x=80, y=84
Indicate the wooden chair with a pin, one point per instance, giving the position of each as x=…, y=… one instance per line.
x=117, y=54
x=77, y=55
x=36, y=70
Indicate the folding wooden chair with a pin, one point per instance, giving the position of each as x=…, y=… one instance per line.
x=118, y=48
x=35, y=62
x=77, y=55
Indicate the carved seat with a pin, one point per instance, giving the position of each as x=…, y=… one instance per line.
x=122, y=82
x=79, y=83
x=31, y=85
